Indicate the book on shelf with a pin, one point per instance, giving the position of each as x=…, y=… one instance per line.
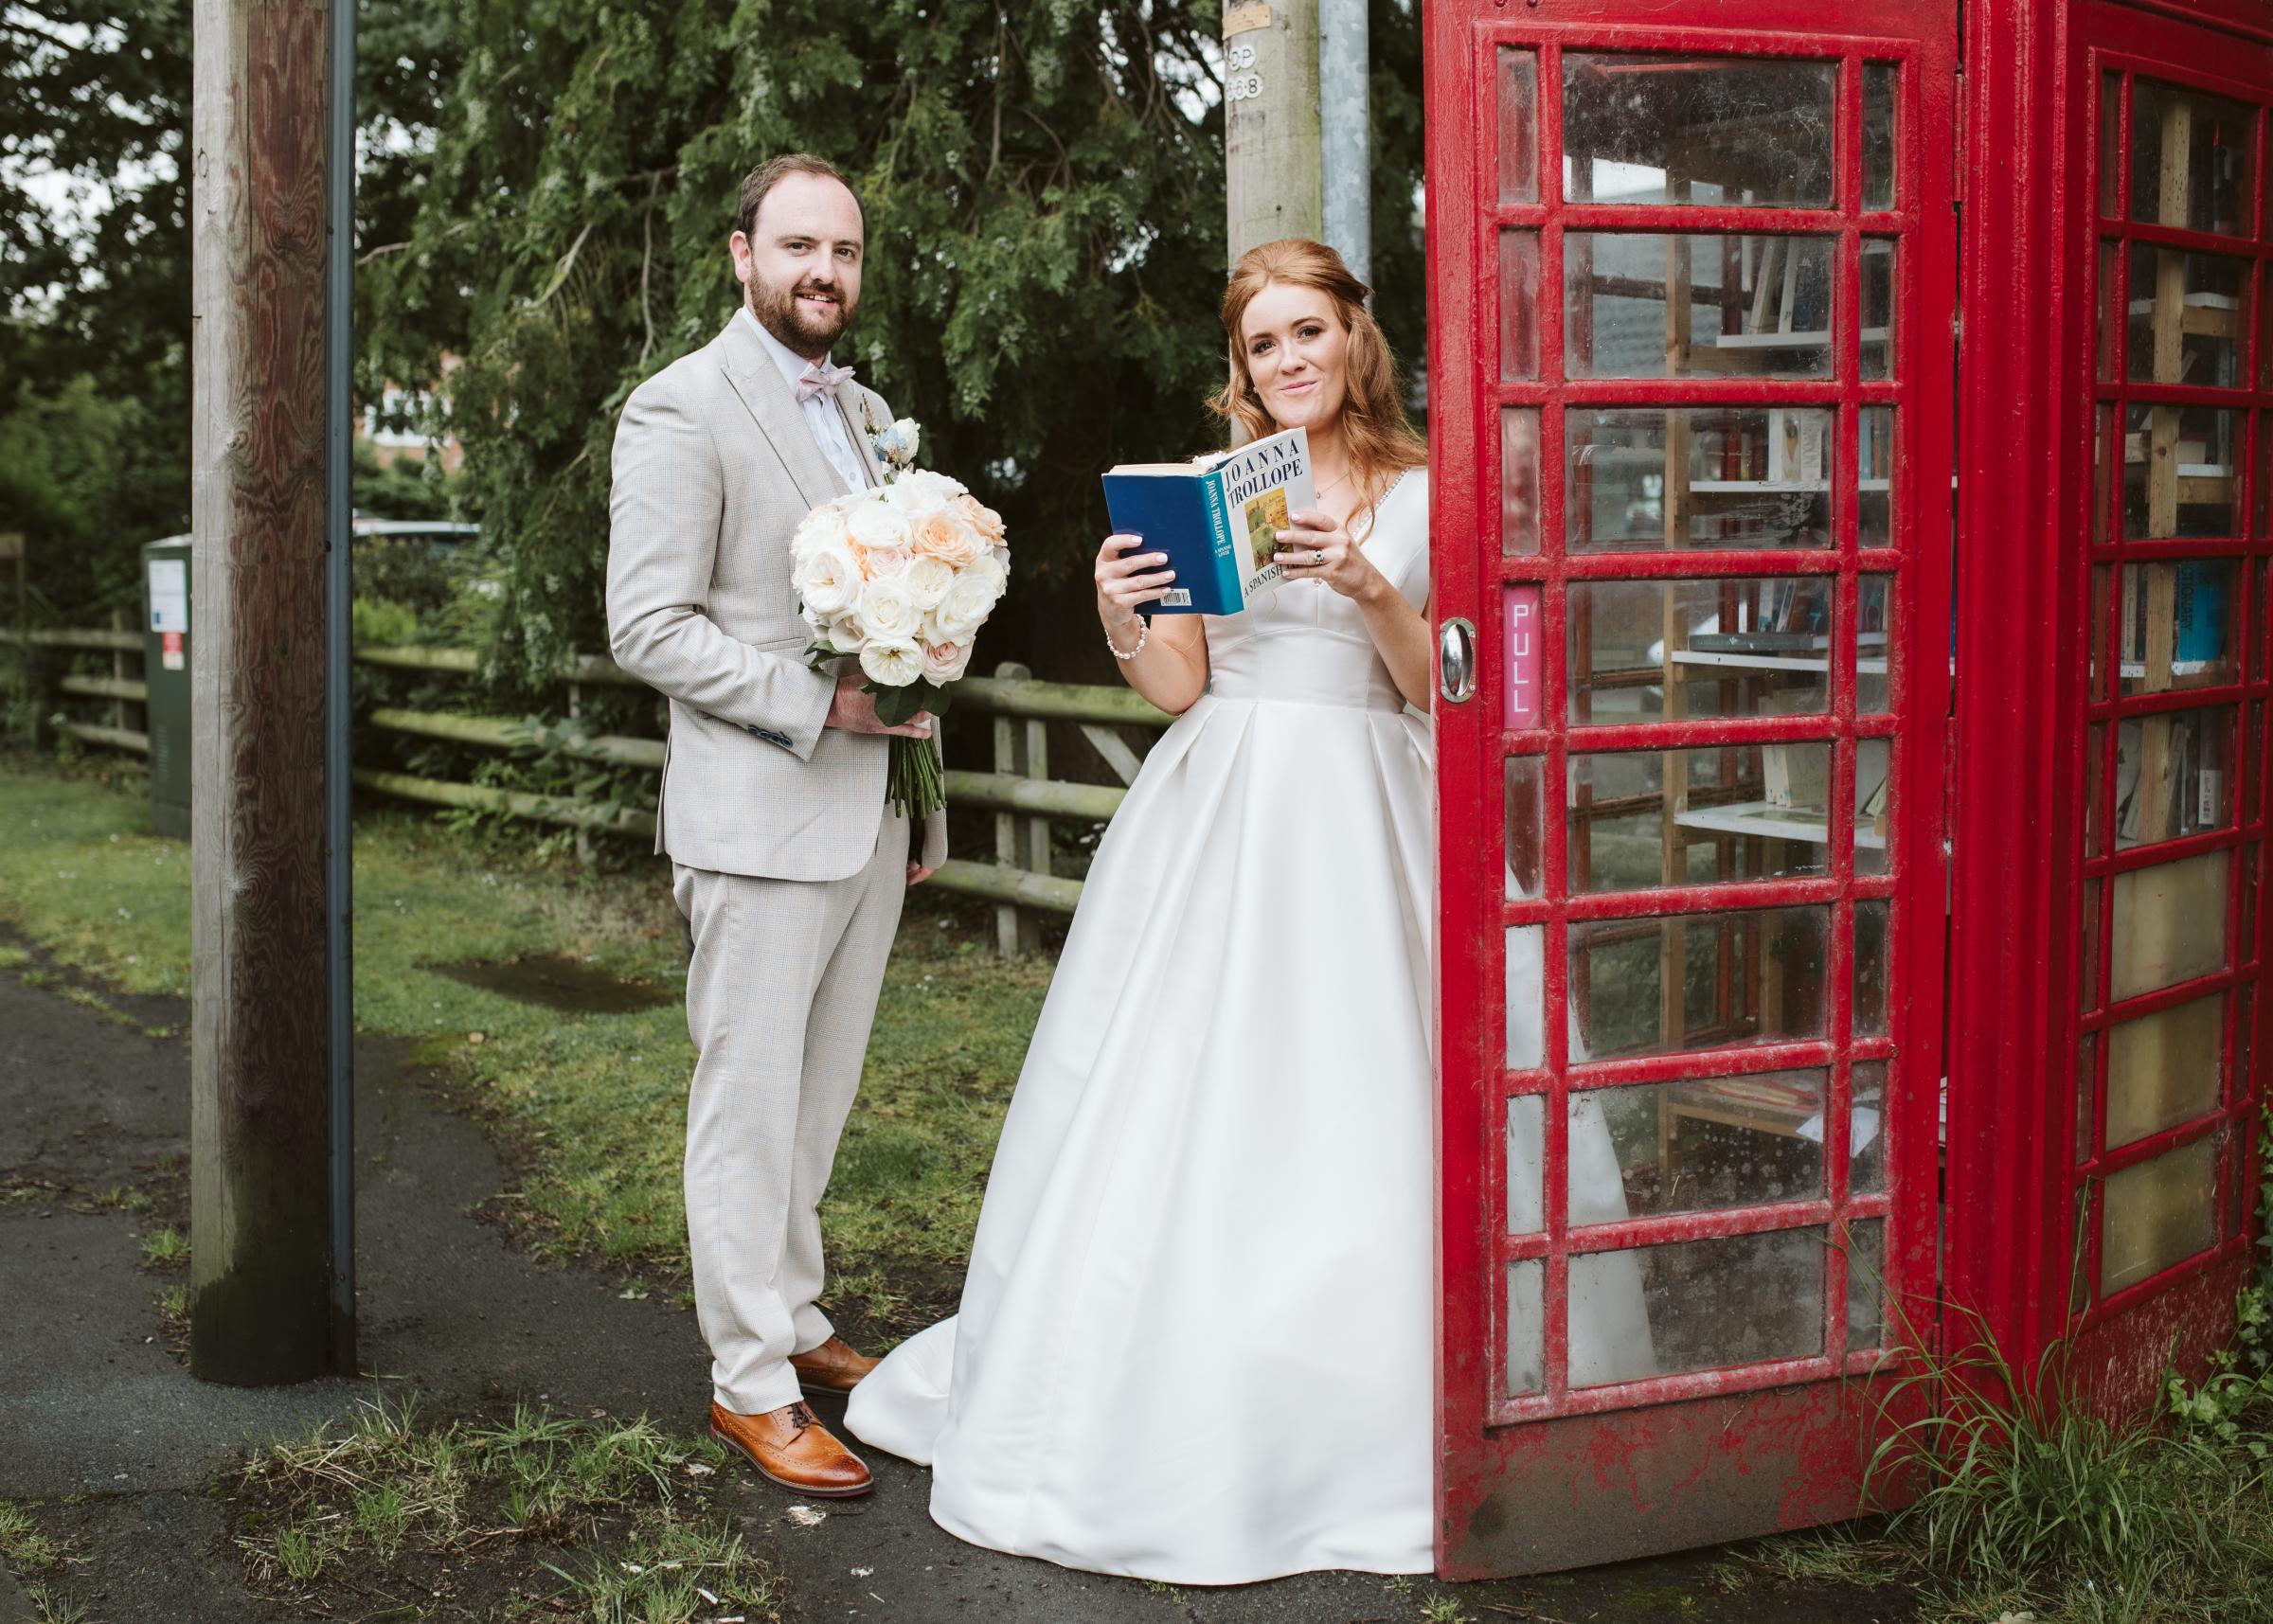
x=1217, y=518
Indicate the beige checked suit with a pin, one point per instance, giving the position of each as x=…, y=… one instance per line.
x=785, y=861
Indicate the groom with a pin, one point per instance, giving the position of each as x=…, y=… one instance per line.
x=784, y=859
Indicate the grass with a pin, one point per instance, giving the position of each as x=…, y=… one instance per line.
x=165, y=1247
x=591, y=1107
x=23, y=1547
x=541, y=1515
x=26, y=1550
x=2031, y=1505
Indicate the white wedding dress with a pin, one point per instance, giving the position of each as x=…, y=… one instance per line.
x=1197, y=1336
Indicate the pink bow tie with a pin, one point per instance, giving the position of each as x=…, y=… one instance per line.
x=820, y=378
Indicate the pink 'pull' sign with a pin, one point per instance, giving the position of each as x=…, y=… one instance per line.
x=1520, y=608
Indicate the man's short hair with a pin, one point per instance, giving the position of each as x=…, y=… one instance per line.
x=773, y=172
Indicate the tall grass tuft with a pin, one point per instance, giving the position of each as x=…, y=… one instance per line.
x=2029, y=1499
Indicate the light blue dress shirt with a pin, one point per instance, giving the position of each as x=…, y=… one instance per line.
x=821, y=413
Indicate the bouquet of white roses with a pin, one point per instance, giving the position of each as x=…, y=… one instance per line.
x=902, y=577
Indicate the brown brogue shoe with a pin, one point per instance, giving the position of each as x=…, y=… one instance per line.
x=833, y=1367
x=790, y=1447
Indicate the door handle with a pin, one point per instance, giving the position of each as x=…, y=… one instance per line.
x=1456, y=660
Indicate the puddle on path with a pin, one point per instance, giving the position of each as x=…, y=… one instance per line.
x=568, y=985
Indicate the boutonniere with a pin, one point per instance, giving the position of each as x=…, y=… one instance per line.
x=894, y=443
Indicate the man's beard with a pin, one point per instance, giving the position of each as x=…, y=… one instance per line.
x=808, y=334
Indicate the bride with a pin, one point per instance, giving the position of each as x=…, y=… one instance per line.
x=1196, y=1342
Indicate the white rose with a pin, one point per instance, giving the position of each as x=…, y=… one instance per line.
x=892, y=663
x=908, y=434
x=944, y=662
x=878, y=526
x=886, y=563
x=888, y=610
x=965, y=608
x=922, y=489
x=847, y=635
x=927, y=580
x=827, y=580
x=823, y=527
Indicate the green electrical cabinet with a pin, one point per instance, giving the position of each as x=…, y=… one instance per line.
x=166, y=672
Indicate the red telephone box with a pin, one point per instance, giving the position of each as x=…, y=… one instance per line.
x=1709, y=735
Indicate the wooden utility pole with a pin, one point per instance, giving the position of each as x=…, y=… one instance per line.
x=260, y=1215
x=1272, y=165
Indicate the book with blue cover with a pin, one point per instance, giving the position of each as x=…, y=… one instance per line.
x=1217, y=518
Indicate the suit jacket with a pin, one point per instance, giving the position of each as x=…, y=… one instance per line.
x=714, y=468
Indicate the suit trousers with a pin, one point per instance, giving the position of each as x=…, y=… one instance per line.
x=781, y=995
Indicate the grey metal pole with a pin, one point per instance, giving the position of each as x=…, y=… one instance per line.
x=1343, y=53
x=339, y=790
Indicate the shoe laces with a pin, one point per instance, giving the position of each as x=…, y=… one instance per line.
x=800, y=1417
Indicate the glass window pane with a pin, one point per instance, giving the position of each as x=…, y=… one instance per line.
x=1875, y=474
x=1873, y=803
x=1876, y=269
x=1726, y=647
x=2170, y=924
x=1737, y=1300
x=2159, y=1213
x=2111, y=143
x=1643, y=819
x=1518, y=125
x=2087, y=929
x=2190, y=158
x=1670, y=984
x=2178, y=472
x=1721, y=131
x=2265, y=331
x=2177, y=626
x=1645, y=479
x=1865, y=1285
x=2088, y=1057
x=1738, y=305
x=2102, y=454
x=2095, y=746
x=2170, y=775
x=1875, y=648
x=2185, y=318
x=1652, y=1148
x=1518, y=305
x=1527, y=998
x=1867, y=1137
x=2111, y=295
x=1872, y=966
x=1527, y=1142
x=1878, y=135
x=1527, y=1328
x=1520, y=782
x=1519, y=481
x=2164, y=1069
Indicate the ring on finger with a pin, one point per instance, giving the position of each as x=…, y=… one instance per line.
x=1316, y=557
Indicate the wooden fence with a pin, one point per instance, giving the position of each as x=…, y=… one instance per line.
x=1027, y=802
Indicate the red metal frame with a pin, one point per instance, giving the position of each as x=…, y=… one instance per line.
x=1569, y=1477
x=2033, y=279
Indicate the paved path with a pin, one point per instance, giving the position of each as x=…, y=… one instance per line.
x=92, y=1403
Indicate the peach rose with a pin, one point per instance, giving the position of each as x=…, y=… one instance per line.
x=946, y=535
x=987, y=522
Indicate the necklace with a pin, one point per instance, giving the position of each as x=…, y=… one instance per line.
x=1337, y=479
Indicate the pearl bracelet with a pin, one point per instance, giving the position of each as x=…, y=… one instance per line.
x=1144, y=630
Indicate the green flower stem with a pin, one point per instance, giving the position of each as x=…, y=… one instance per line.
x=914, y=785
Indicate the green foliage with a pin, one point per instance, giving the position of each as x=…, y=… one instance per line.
x=95, y=295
